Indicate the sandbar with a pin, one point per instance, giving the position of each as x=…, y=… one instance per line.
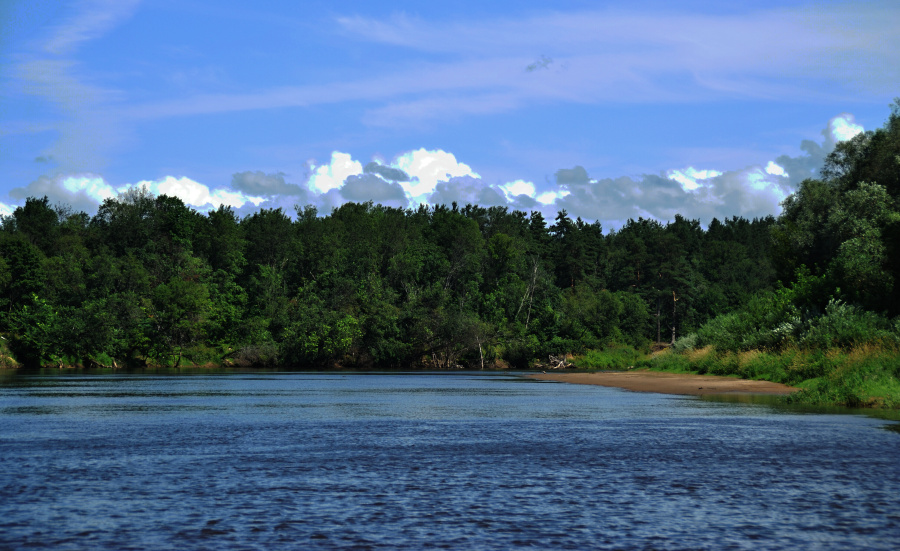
x=669, y=383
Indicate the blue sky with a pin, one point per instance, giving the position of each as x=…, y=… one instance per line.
x=611, y=110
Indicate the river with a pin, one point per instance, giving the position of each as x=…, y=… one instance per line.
x=412, y=461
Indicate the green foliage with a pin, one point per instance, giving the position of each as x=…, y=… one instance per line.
x=37, y=222
x=770, y=321
x=179, y=309
x=634, y=319
x=847, y=326
x=23, y=277
x=613, y=357
x=37, y=335
x=148, y=280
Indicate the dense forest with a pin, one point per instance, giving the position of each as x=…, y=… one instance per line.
x=149, y=281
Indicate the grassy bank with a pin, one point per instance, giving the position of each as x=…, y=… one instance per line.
x=867, y=376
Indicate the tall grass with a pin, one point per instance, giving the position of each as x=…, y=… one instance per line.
x=616, y=356
x=864, y=376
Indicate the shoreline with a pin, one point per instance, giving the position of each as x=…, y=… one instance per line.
x=669, y=383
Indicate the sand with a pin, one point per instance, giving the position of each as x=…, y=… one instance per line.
x=669, y=383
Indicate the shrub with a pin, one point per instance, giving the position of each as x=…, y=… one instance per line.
x=846, y=326
x=769, y=322
x=685, y=343
x=615, y=356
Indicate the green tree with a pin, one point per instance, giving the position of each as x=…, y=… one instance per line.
x=37, y=222
x=180, y=310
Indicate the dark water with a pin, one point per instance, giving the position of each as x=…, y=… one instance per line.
x=307, y=461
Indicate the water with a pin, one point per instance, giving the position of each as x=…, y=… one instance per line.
x=386, y=461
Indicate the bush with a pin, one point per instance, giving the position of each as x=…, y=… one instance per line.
x=768, y=322
x=685, y=343
x=615, y=356
x=519, y=352
x=846, y=326
x=666, y=361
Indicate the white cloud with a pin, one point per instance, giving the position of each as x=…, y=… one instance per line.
x=427, y=168
x=437, y=176
x=843, y=127
x=760, y=180
x=332, y=176
x=775, y=169
x=6, y=210
x=550, y=197
x=194, y=193
x=691, y=178
x=82, y=191
x=518, y=187
x=93, y=186
x=417, y=174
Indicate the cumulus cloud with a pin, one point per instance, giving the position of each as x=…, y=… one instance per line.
x=427, y=168
x=332, y=175
x=194, y=193
x=82, y=191
x=691, y=178
x=516, y=188
x=438, y=177
x=841, y=128
x=550, y=197
x=753, y=191
x=409, y=179
x=776, y=170
x=750, y=192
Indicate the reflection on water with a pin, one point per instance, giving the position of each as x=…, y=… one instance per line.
x=463, y=460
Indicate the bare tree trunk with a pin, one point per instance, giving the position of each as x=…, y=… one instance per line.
x=674, y=301
x=481, y=353
x=529, y=293
x=657, y=321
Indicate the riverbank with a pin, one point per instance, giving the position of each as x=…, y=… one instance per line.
x=670, y=383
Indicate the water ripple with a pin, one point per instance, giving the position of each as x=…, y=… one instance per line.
x=297, y=461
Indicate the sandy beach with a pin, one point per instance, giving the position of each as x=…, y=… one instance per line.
x=669, y=383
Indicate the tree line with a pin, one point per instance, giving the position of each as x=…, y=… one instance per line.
x=148, y=279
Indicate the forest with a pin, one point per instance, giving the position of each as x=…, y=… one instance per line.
x=149, y=281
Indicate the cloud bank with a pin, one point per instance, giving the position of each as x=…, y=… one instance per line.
x=438, y=177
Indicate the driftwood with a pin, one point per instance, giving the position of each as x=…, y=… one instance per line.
x=555, y=362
